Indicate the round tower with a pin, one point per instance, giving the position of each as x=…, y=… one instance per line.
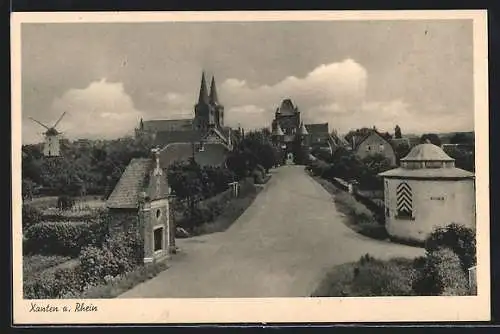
x=425, y=192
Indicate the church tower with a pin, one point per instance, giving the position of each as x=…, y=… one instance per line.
x=202, y=113
x=214, y=103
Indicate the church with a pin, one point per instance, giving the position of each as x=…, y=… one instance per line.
x=205, y=137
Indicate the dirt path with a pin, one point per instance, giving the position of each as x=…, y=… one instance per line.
x=281, y=246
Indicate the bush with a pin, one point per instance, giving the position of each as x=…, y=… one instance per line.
x=120, y=254
x=440, y=274
x=30, y=216
x=63, y=238
x=459, y=239
x=368, y=277
x=53, y=284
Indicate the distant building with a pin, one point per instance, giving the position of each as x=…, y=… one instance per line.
x=425, y=192
x=141, y=203
x=374, y=143
x=287, y=127
x=207, y=126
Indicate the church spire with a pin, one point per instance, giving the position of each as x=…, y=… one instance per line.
x=213, y=92
x=203, y=98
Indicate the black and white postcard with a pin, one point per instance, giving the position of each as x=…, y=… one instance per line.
x=256, y=167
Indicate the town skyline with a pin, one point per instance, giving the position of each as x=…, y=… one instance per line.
x=371, y=74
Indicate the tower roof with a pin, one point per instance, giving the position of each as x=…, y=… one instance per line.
x=278, y=131
x=302, y=130
x=203, y=97
x=427, y=152
x=213, y=92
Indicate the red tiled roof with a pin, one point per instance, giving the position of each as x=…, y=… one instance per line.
x=131, y=184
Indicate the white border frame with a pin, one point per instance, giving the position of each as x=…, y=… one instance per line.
x=265, y=310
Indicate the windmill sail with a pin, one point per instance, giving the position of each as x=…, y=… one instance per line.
x=45, y=126
x=60, y=118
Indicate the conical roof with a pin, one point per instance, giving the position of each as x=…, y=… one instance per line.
x=427, y=152
x=302, y=130
x=213, y=92
x=278, y=131
x=203, y=97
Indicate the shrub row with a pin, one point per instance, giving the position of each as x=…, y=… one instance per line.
x=37, y=263
x=63, y=238
x=119, y=255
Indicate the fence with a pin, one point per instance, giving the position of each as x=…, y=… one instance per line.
x=473, y=281
x=376, y=205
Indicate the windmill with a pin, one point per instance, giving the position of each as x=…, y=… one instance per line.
x=52, y=136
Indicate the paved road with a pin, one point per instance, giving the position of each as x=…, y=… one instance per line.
x=281, y=246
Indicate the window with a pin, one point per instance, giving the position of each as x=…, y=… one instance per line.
x=158, y=239
x=201, y=148
x=404, y=201
x=381, y=147
x=368, y=148
x=158, y=214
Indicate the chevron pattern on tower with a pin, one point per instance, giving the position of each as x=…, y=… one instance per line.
x=404, y=199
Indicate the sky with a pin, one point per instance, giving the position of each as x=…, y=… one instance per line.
x=107, y=76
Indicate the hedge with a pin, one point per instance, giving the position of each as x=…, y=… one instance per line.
x=63, y=238
x=441, y=273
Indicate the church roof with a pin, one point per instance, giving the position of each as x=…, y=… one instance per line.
x=167, y=137
x=427, y=152
x=131, y=184
x=167, y=125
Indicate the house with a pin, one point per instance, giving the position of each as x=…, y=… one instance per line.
x=374, y=143
x=207, y=126
x=425, y=192
x=140, y=203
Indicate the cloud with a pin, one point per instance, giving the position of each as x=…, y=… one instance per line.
x=333, y=93
x=101, y=110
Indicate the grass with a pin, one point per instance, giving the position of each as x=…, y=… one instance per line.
x=36, y=263
x=230, y=213
x=369, y=277
x=359, y=217
x=123, y=283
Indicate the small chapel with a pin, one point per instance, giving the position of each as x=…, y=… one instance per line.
x=427, y=191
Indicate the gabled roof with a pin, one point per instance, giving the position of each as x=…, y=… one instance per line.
x=359, y=140
x=212, y=154
x=168, y=137
x=131, y=184
x=318, y=128
x=168, y=125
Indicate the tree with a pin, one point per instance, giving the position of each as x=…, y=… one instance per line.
x=397, y=132
x=401, y=151
x=432, y=138
x=462, y=138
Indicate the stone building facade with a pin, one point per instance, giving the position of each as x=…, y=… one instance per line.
x=140, y=203
x=425, y=192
